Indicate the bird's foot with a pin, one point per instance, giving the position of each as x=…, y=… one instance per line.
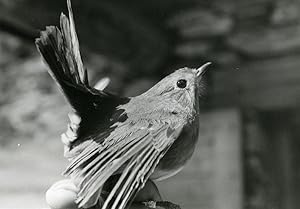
x=150, y=204
x=166, y=205
x=160, y=205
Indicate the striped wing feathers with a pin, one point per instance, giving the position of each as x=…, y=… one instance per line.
x=132, y=150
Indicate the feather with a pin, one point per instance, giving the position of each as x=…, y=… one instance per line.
x=134, y=152
x=128, y=175
x=59, y=48
x=101, y=176
x=75, y=42
x=60, y=51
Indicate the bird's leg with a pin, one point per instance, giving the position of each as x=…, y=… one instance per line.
x=148, y=198
x=149, y=195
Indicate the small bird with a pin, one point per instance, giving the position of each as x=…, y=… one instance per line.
x=150, y=136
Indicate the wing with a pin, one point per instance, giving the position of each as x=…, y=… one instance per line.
x=133, y=149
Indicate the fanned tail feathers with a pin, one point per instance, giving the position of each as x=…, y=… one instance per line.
x=60, y=50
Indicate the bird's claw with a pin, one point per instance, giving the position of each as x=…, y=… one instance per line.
x=150, y=204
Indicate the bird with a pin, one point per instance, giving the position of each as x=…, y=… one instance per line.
x=129, y=139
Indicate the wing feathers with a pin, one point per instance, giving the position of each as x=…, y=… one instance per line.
x=128, y=176
x=130, y=188
x=135, y=153
x=101, y=173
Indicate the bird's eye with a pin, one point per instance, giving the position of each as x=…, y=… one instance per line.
x=181, y=83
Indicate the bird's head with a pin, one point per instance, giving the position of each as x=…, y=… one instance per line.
x=183, y=85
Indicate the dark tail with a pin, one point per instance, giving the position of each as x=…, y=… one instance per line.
x=60, y=50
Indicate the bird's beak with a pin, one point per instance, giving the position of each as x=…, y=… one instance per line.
x=201, y=70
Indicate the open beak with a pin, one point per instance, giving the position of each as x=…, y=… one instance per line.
x=201, y=70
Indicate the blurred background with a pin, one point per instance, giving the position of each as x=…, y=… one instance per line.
x=248, y=150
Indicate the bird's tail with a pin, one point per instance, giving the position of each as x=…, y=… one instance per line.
x=60, y=50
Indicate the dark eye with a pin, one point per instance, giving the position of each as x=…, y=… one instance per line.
x=181, y=83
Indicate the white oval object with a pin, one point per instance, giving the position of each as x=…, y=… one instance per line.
x=62, y=195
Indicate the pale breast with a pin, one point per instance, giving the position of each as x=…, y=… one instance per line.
x=178, y=154
x=160, y=175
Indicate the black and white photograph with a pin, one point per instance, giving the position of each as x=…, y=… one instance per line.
x=170, y=104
